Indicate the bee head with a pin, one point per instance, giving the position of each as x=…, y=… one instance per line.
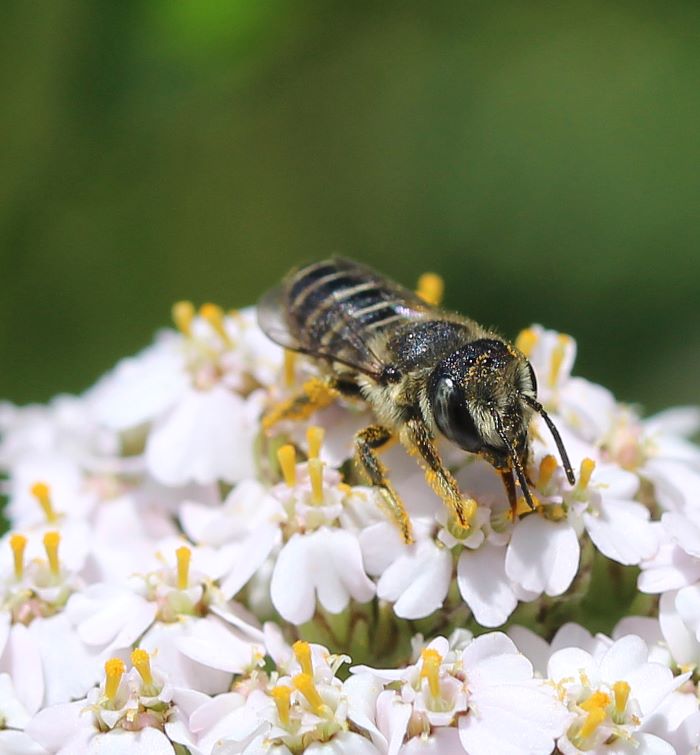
x=483, y=396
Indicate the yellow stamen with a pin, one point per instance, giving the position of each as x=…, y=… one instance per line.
x=183, y=314
x=314, y=439
x=558, y=354
x=287, y=458
x=526, y=341
x=141, y=661
x=214, y=315
x=18, y=543
x=42, y=492
x=302, y=651
x=184, y=554
x=584, y=478
x=621, y=691
x=51, y=542
x=596, y=700
x=305, y=684
x=430, y=288
x=430, y=670
x=316, y=476
x=592, y=722
x=114, y=670
x=548, y=466
x=290, y=359
x=281, y=695
x=523, y=507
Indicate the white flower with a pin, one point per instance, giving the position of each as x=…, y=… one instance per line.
x=611, y=696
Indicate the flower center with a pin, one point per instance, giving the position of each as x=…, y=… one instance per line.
x=306, y=685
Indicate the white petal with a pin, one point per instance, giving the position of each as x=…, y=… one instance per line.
x=340, y=571
x=22, y=661
x=292, y=588
x=682, y=642
x=344, y=743
x=392, y=718
x=441, y=741
x=622, y=531
x=569, y=663
x=683, y=530
x=212, y=644
x=483, y=583
x=250, y=555
x=492, y=659
x=543, y=555
x=532, y=646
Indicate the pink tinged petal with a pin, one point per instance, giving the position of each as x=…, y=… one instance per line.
x=212, y=644
x=622, y=531
x=543, y=555
x=418, y=581
x=682, y=642
x=393, y=716
x=22, y=660
x=483, y=584
x=250, y=555
x=442, y=741
x=292, y=588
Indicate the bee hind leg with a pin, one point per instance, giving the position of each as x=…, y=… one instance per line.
x=367, y=443
x=316, y=393
x=419, y=441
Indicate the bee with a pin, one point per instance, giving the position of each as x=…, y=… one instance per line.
x=422, y=370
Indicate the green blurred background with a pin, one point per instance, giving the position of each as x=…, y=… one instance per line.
x=542, y=156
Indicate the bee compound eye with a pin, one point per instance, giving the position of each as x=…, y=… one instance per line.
x=452, y=415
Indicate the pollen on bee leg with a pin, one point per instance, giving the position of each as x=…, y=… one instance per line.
x=114, y=670
x=290, y=360
x=18, y=543
x=314, y=440
x=558, y=354
x=316, y=477
x=141, y=661
x=184, y=555
x=523, y=507
x=51, y=542
x=548, y=466
x=431, y=288
x=183, y=314
x=584, y=478
x=214, y=315
x=281, y=694
x=305, y=684
x=430, y=670
x=526, y=341
x=42, y=492
x=302, y=652
x=287, y=458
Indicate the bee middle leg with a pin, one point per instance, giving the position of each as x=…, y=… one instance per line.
x=419, y=441
x=367, y=443
x=316, y=393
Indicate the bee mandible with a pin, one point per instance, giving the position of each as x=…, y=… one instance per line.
x=423, y=371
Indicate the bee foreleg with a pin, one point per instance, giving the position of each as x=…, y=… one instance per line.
x=367, y=442
x=316, y=393
x=419, y=441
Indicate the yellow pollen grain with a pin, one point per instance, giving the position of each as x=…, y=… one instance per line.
x=141, y=661
x=290, y=360
x=621, y=690
x=114, y=670
x=184, y=555
x=596, y=700
x=526, y=341
x=42, y=492
x=51, y=542
x=183, y=313
x=302, y=651
x=316, y=477
x=558, y=354
x=593, y=720
x=431, y=288
x=214, y=315
x=281, y=695
x=305, y=684
x=430, y=670
x=584, y=478
x=287, y=458
x=548, y=466
x=18, y=543
x=314, y=440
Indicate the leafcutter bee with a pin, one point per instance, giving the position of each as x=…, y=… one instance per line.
x=421, y=369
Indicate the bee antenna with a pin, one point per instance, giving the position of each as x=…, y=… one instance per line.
x=519, y=471
x=532, y=403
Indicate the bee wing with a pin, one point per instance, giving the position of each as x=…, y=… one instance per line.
x=356, y=353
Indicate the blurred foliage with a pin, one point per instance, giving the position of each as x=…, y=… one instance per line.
x=542, y=156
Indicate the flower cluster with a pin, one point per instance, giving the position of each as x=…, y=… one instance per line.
x=177, y=577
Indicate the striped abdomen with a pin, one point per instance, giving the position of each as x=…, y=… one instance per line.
x=329, y=302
